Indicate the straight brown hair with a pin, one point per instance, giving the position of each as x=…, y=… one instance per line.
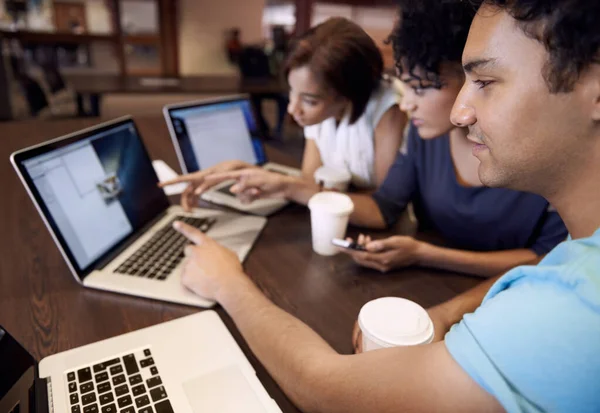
x=343, y=58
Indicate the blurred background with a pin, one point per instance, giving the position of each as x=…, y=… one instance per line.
x=107, y=58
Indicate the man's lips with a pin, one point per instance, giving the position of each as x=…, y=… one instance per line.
x=478, y=146
x=474, y=139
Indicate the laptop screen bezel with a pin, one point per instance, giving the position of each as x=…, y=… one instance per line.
x=18, y=159
x=198, y=104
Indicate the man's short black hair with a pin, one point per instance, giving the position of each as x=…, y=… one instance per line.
x=428, y=34
x=569, y=30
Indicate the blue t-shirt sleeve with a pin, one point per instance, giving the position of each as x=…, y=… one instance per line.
x=551, y=232
x=533, y=346
x=400, y=184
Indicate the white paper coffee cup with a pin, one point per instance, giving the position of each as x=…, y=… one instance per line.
x=329, y=214
x=331, y=178
x=392, y=322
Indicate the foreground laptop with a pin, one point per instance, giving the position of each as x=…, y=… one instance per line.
x=208, y=132
x=191, y=364
x=97, y=192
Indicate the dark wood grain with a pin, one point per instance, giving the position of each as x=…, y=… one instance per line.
x=47, y=311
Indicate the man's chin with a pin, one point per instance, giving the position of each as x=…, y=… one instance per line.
x=485, y=176
x=490, y=178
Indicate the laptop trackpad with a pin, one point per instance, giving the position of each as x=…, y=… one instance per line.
x=222, y=391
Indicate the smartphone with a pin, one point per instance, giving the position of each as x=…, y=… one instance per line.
x=351, y=245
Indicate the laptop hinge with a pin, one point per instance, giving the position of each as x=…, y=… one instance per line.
x=43, y=396
x=129, y=241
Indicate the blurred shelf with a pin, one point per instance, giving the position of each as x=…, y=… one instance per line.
x=53, y=37
x=359, y=3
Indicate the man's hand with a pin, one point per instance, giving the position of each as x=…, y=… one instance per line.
x=386, y=254
x=189, y=197
x=441, y=321
x=209, y=268
x=357, y=338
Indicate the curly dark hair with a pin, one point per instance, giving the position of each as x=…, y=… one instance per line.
x=569, y=30
x=343, y=57
x=428, y=34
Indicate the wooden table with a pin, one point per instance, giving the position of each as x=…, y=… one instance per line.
x=48, y=312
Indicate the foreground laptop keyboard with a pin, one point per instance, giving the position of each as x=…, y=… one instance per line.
x=121, y=385
x=159, y=256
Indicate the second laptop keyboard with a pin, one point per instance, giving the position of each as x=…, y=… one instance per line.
x=119, y=385
x=159, y=256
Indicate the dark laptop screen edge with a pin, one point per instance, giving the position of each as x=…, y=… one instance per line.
x=173, y=135
x=17, y=159
x=14, y=374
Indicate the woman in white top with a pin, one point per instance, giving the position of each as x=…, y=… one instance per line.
x=350, y=117
x=347, y=146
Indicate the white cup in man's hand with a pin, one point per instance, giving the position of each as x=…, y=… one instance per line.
x=392, y=322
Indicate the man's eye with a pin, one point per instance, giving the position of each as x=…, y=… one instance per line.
x=482, y=83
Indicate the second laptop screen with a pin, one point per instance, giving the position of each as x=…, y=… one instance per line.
x=212, y=133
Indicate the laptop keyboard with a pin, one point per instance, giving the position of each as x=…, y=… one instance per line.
x=159, y=256
x=121, y=385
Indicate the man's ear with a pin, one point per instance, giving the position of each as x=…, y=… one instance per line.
x=592, y=80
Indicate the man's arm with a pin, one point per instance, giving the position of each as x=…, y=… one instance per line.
x=420, y=378
x=317, y=379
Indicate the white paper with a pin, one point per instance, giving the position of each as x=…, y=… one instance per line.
x=165, y=173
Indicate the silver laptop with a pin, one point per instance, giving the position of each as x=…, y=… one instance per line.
x=97, y=192
x=208, y=132
x=187, y=365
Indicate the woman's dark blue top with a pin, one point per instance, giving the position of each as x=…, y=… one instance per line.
x=471, y=218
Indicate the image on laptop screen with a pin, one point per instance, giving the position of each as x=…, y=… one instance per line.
x=215, y=132
x=97, y=190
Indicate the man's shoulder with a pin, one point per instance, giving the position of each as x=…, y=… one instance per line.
x=535, y=334
x=573, y=267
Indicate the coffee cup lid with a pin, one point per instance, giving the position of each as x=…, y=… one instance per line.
x=331, y=202
x=394, y=321
x=326, y=173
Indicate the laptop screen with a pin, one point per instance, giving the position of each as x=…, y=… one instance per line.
x=95, y=189
x=212, y=132
x=18, y=372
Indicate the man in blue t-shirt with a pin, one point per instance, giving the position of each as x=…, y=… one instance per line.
x=528, y=341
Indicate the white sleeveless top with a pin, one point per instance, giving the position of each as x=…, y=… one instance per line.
x=352, y=147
